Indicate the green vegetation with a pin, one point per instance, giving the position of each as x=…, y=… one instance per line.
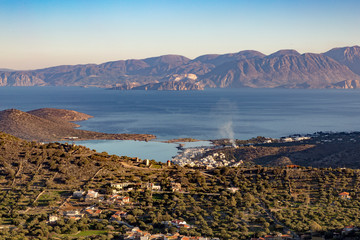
x=230, y=203
x=90, y=233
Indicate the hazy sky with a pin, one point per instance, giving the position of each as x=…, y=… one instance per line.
x=37, y=34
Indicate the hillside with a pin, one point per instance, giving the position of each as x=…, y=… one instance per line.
x=60, y=115
x=284, y=68
x=53, y=125
x=37, y=182
x=349, y=56
x=320, y=150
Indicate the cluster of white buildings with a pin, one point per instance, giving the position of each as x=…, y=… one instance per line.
x=200, y=156
x=130, y=186
x=294, y=139
x=194, y=157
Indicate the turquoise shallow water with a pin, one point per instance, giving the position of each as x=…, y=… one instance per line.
x=158, y=151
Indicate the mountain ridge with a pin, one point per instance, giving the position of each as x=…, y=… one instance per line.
x=285, y=68
x=349, y=56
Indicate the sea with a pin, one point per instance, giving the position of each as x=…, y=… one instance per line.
x=210, y=114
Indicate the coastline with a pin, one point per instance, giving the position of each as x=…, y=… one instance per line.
x=49, y=124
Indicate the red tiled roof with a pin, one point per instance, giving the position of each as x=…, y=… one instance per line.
x=344, y=194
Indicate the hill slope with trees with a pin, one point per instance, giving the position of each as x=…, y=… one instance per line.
x=37, y=181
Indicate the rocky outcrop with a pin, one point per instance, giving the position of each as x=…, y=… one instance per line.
x=125, y=86
x=174, y=82
x=348, y=84
x=20, y=79
x=172, y=85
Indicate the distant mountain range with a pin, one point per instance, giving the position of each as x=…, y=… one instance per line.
x=337, y=68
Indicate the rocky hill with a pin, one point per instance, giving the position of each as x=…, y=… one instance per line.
x=349, y=56
x=217, y=60
x=285, y=68
x=282, y=69
x=62, y=116
x=53, y=125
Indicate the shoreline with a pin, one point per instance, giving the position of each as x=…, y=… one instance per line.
x=318, y=149
x=50, y=124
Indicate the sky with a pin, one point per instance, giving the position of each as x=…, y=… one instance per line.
x=37, y=34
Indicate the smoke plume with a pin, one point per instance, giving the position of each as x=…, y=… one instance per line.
x=226, y=131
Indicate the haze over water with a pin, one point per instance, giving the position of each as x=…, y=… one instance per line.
x=209, y=114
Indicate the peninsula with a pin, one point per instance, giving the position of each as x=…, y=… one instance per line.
x=50, y=124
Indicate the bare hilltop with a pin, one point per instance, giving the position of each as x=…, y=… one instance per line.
x=49, y=124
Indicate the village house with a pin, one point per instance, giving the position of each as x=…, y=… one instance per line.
x=125, y=199
x=53, y=219
x=349, y=230
x=156, y=187
x=115, y=217
x=344, y=195
x=92, y=211
x=146, y=185
x=136, y=233
x=232, y=189
x=113, y=198
x=175, y=187
x=180, y=223
x=151, y=186
x=69, y=211
x=73, y=214
x=118, y=215
x=121, y=186
x=288, y=139
x=91, y=195
x=302, y=138
x=118, y=200
x=121, y=213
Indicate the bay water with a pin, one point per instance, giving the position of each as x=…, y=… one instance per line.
x=210, y=114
